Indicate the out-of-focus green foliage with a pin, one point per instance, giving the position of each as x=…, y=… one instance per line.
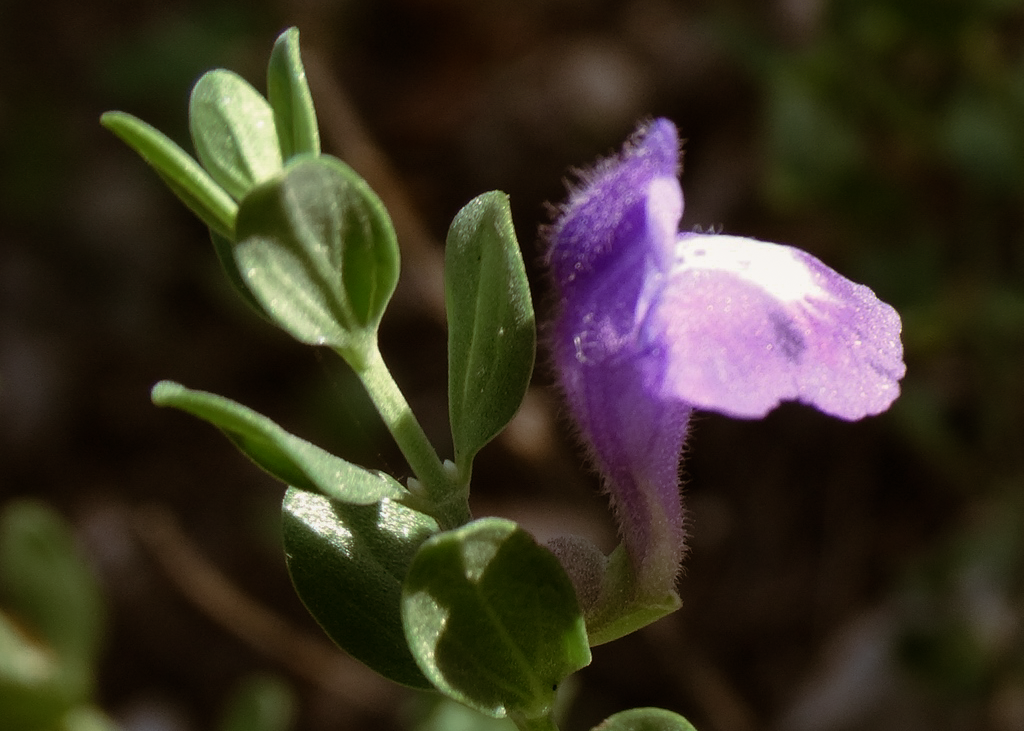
x=51, y=628
x=51, y=621
x=965, y=606
x=261, y=703
x=893, y=91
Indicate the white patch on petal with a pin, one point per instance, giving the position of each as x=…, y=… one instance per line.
x=778, y=270
x=748, y=324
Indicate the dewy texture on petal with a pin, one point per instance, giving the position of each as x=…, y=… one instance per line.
x=748, y=324
x=654, y=323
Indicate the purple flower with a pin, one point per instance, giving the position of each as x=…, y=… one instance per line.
x=654, y=323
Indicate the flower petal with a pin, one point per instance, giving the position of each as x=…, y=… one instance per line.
x=613, y=241
x=747, y=324
x=613, y=212
x=653, y=324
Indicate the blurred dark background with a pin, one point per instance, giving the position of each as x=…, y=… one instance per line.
x=841, y=576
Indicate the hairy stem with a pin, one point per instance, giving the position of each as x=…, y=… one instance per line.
x=439, y=485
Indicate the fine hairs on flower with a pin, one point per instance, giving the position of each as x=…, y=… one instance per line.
x=653, y=324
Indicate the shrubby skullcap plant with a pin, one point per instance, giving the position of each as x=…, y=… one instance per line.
x=654, y=323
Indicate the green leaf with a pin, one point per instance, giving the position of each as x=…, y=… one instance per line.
x=491, y=331
x=290, y=98
x=317, y=250
x=645, y=719
x=47, y=584
x=294, y=461
x=33, y=692
x=23, y=660
x=52, y=624
x=492, y=619
x=87, y=718
x=233, y=130
x=225, y=251
x=182, y=174
x=347, y=563
x=261, y=703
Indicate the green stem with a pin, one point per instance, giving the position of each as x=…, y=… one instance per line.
x=441, y=486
